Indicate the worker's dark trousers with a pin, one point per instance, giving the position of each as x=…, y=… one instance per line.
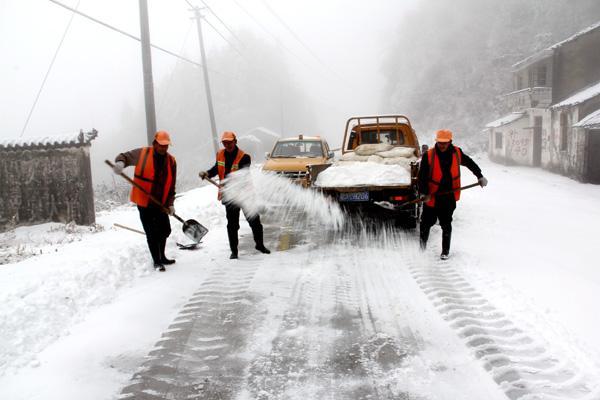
x=158, y=228
x=443, y=212
x=233, y=225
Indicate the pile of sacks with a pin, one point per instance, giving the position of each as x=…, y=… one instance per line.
x=380, y=153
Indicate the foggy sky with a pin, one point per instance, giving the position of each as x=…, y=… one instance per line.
x=97, y=74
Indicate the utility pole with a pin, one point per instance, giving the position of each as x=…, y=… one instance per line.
x=147, y=66
x=211, y=113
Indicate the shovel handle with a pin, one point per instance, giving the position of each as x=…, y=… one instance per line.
x=419, y=200
x=154, y=200
x=212, y=181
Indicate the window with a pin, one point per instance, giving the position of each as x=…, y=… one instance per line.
x=563, y=131
x=298, y=148
x=498, y=141
x=541, y=76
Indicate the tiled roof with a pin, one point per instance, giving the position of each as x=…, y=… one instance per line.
x=580, y=97
x=74, y=139
x=507, y=119
x=592, y=121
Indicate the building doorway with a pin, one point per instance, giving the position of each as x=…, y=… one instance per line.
x=593, y=150
x=537, y=141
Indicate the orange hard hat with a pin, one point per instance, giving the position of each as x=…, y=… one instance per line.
x=162, y=137
x=443, y=135
x=228, y=136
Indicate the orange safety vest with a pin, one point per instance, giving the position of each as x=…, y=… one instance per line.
x=144, y=176
x=435, y=173
x=221, y=166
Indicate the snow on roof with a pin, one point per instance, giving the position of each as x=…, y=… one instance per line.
x=580, y=97
x=591, y=121
x=507, y=119
x=577, y=35
x=80, y=138
x=549, y=51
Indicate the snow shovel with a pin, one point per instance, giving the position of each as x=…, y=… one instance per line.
x=419, y=200
x=191, y=246
x=191, y=228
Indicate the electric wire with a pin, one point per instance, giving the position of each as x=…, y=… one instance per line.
x=136, y=38
x=170, y=80
x=293, y=33
x=221, y=21
x=37, y=97
x=194, y=8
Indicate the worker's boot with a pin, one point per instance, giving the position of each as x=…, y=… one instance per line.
x=257, y=232
x=233, y=242
x=423, y=237
x=154, y=248
x=446, y=236
x=163, y=258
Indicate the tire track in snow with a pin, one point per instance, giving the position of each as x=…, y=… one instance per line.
x=198, y=356
x=523, y=367
x=330, y=344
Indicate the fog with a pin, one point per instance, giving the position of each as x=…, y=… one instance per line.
x=291, y=67
x=306, y=78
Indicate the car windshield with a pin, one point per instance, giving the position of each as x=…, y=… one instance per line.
x=298, y=148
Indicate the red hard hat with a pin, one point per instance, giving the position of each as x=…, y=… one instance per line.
x=162, y=138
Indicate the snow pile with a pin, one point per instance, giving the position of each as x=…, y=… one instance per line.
x=257, y=191
x=370, y=165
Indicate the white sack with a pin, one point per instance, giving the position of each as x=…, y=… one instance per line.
x=397, y=152
x=370, y=149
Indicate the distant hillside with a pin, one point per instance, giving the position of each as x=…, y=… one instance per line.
x=451, y=60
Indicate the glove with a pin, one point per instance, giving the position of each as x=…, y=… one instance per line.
x=203, y=174
x=425, y=198
x=171, y=210
x=118, y=167
x=482, y=181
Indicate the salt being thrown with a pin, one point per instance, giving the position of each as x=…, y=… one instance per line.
x=370, y=165
x=257, y=191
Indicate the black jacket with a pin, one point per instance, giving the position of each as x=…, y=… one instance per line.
x=445, y=163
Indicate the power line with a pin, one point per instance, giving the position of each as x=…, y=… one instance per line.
x=217, y=31
x=271, y=34
x=221, y=21
x=225, y=39
x=291, y=31
x=132, y=36
x=170, y=81
x=37, y=97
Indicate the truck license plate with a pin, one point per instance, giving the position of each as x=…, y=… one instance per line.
x=354, y=196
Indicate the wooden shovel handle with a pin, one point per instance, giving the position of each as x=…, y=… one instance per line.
x=154, y=200
x=419, y=200
x=212, y=181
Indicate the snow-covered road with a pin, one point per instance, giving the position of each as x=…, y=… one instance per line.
x=511, y=314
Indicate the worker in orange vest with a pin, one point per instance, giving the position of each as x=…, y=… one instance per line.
x=156, y=172
x=231, y=159
x=439, y=171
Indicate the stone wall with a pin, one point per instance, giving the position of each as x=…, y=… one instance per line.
x=44, y=183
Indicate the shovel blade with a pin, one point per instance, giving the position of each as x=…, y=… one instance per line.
x=194, y=230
